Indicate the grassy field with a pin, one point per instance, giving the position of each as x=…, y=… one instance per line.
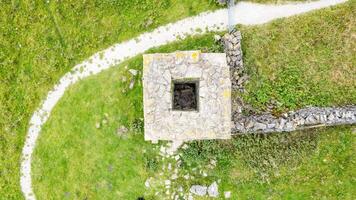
x=76, y=159
x=41, y=41
x=300, y=61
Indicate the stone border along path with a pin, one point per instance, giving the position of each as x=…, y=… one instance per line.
x=244, y=13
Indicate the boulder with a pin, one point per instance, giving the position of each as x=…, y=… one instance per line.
x=213, y=190
x=199, y=190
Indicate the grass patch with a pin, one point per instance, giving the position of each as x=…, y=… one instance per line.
x=73, y=149
x=300, y=165
x=305, y=164
x=41, y=41
x=303, y=60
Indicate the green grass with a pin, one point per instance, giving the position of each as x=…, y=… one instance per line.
x=39, y=42
x=300, y=61
x=71, y=148
x=73, y=156
x=314, y=164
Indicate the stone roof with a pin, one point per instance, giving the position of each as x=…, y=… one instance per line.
x=211, y=119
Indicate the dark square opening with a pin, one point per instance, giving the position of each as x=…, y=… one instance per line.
x=185, y=95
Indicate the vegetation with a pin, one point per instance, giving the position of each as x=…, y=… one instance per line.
x=75, y=158
x=301, y=61
x=314, y=164
x=40, y=41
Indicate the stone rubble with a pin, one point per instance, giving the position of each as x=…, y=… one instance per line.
x=304, y=118
x=198, y=190
x=213, y=190
x=232, y=46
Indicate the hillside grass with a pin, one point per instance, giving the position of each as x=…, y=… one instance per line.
x=73, y=158
x=301, y=61
x=40, y=41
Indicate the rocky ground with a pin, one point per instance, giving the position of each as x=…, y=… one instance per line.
x=170, y=182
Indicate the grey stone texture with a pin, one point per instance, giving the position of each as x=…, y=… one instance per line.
x=232, y=47
x=198, y=190
x=309, y=117
x=212, y=120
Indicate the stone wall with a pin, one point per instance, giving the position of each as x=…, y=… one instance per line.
x=264, y=123
x=305, y=118
x=212, y=120
x=233, y=51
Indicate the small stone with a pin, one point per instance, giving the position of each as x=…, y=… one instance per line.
x=213, y=162
x=174, y=176
x=123, y=79
x=180, y=189
x=213, y=190
x=198, y=190
x=97, y=125
x=217, y=38
x=148, y=23
x=260, y=126
x=227, y=195
x=133, y=72
x=176, y=157
x=331, y=117
x=132, y=84
x=186, y=177
x=271, y=126
x=147, y=183
x=289, y=126
x=167, y=182
x=222, y=2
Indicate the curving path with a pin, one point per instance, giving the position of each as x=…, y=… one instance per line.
x=244, y=13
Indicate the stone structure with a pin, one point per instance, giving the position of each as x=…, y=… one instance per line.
x=207, y=76
x=301, y=119
x=232, y=47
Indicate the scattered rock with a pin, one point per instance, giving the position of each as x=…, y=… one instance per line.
x=122, y=130
x=176, y=157
x=97, y=125
x=185, y=146
x=174, y=177
x=133, y=72
x=132, y=84
x=147, y=183
x=222, y=2
x=217, y=38
x=213, y=190
x=148, y=23
x=198, y=190
x=123, y=79
x=227, y=195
